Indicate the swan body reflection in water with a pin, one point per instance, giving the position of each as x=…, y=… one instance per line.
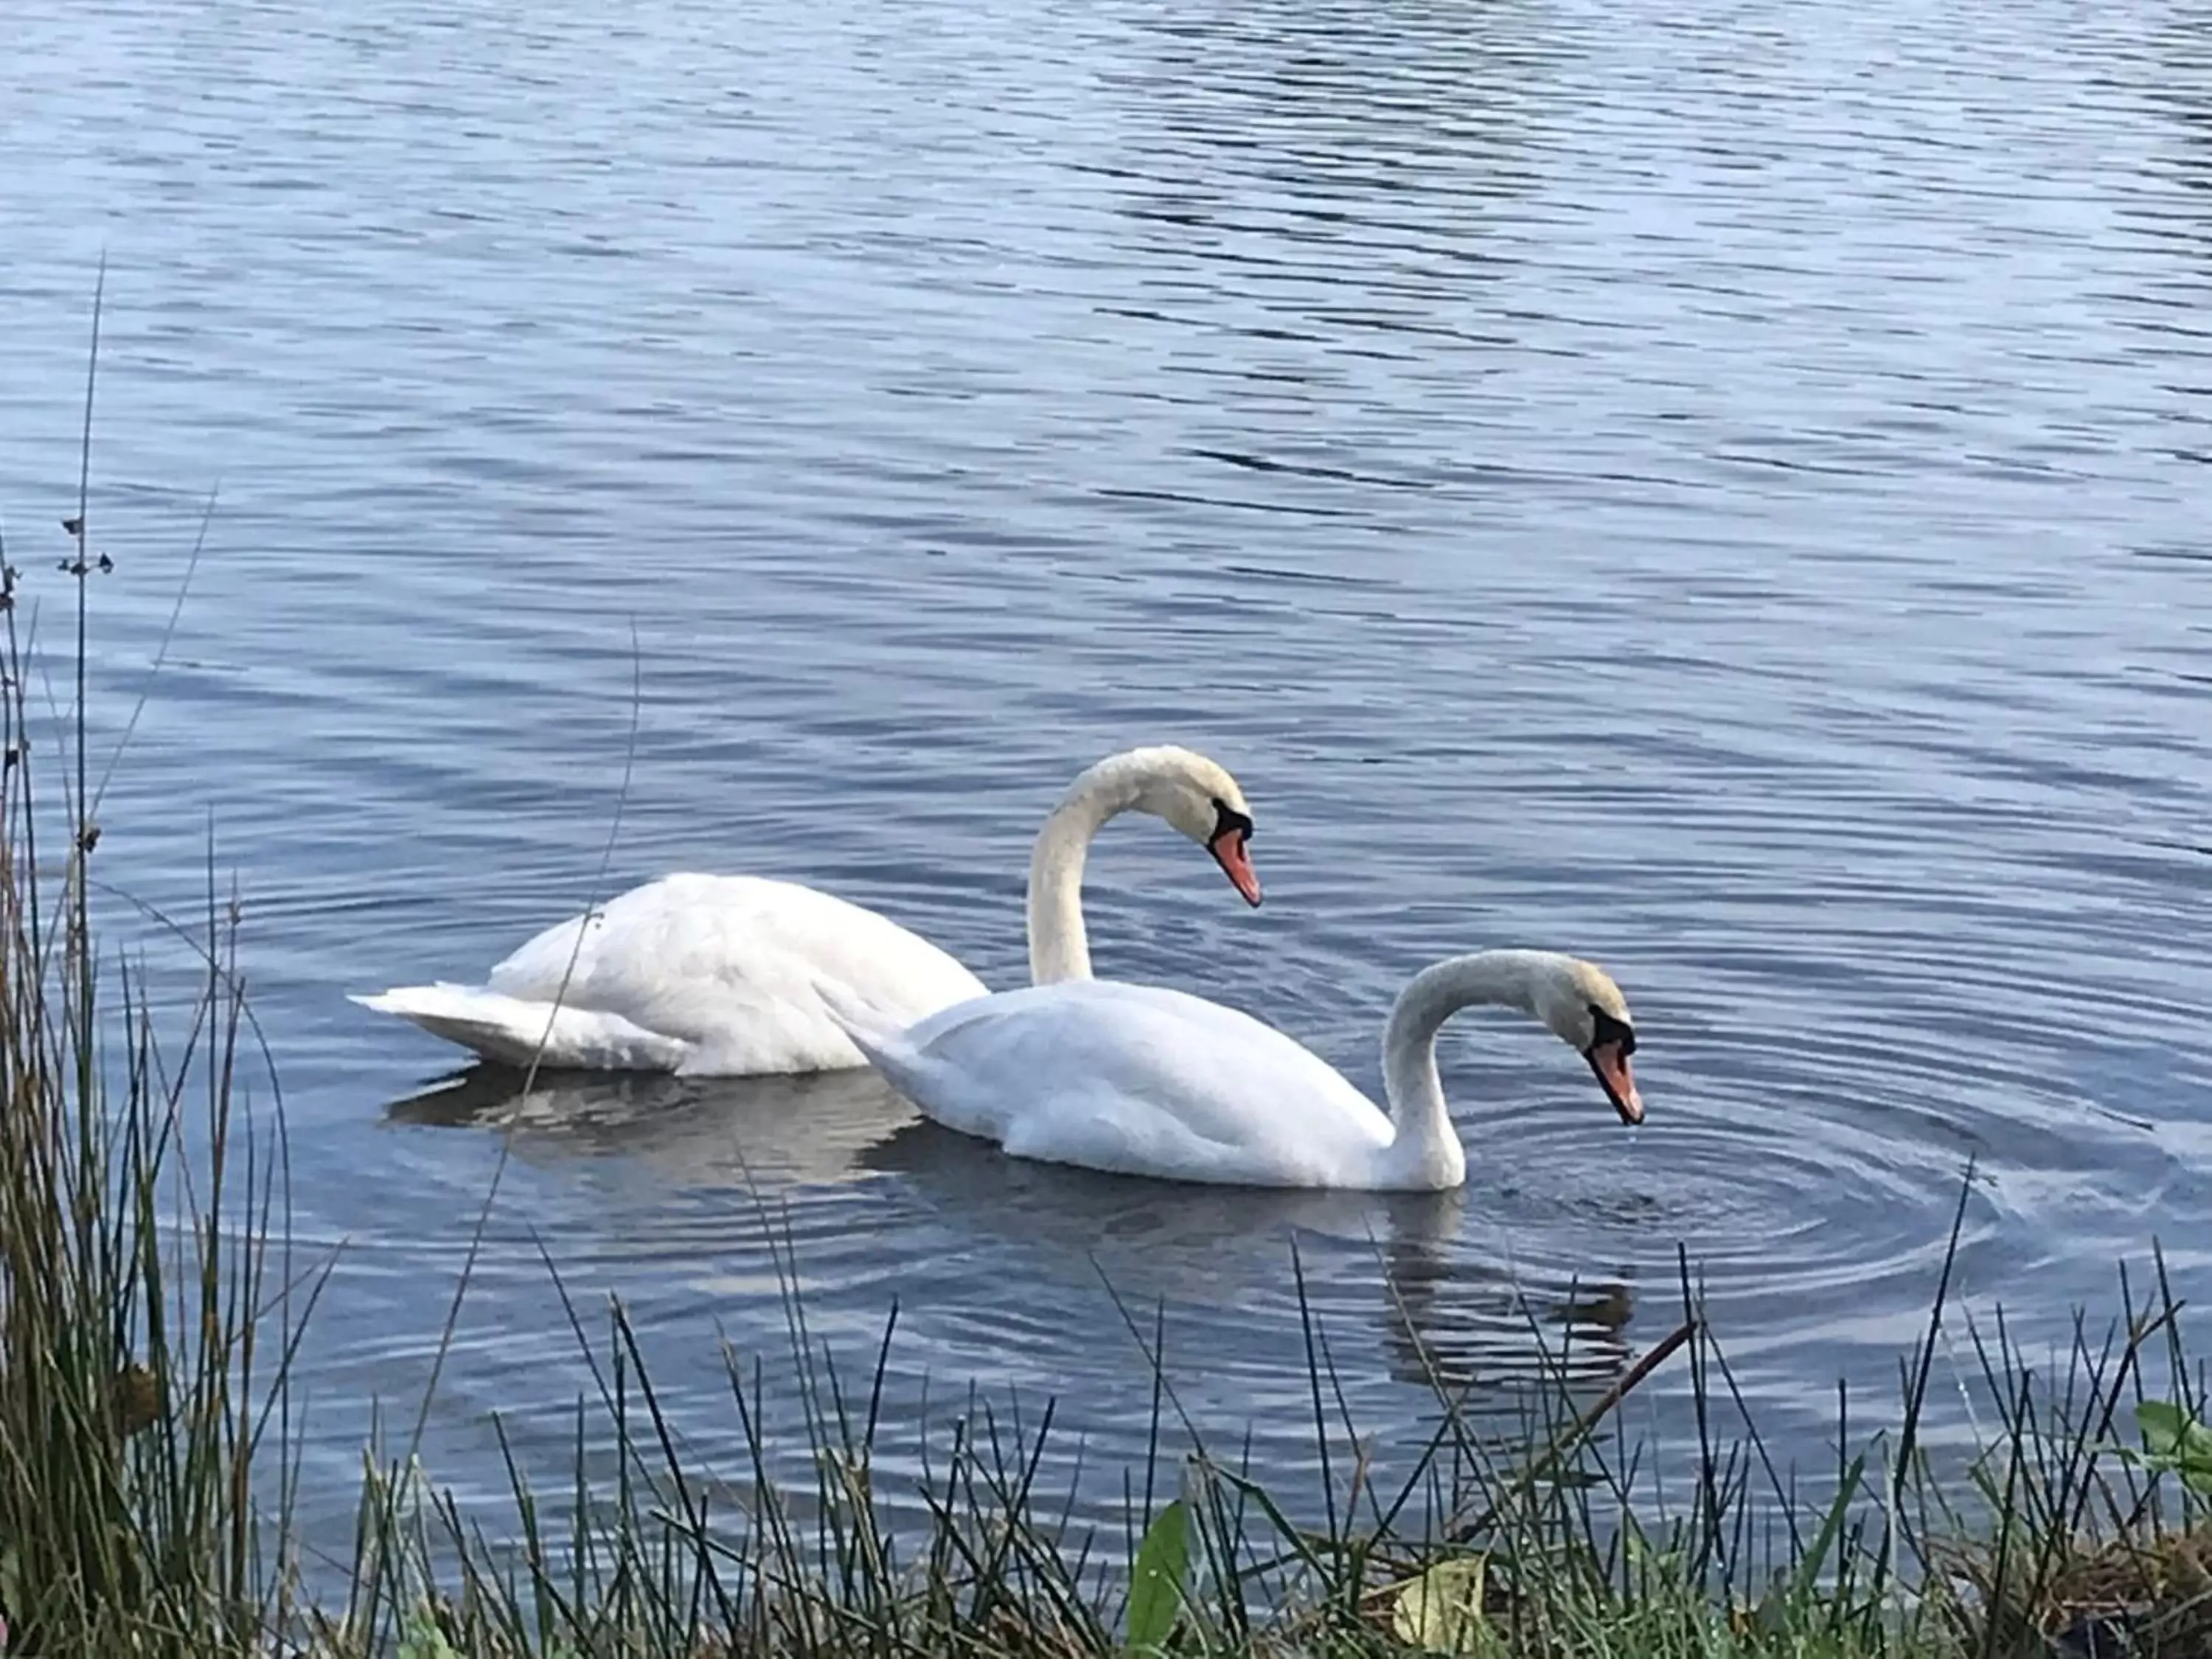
x=1008, y=1267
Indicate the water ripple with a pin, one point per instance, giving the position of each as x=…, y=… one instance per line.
x=1723, y=495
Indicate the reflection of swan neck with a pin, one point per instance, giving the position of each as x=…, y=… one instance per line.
x=1058, y=948
x=1425, y=1143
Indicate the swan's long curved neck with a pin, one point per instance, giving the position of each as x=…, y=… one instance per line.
x=1426, y=1149
x=1059, y=947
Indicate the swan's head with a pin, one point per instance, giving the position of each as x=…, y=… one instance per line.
x=1199, y=798
x=1586, y=1010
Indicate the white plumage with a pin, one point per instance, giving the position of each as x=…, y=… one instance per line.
x=720, y=976
x=1137, y=1079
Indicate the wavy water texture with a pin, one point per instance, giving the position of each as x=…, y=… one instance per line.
x=1726, y=495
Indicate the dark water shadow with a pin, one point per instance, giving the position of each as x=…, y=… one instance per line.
x=1450, y=1317
x=748, y=1132
x=966, y=1214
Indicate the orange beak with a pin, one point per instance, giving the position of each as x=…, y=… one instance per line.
x=1228, y=850
x=1619, y=1083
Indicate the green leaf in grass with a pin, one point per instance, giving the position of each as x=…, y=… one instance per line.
x=1156, y=1582
x=2173, y=1439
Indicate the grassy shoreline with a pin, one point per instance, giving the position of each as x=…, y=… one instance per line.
x=152, y=1305
x=150, y=1455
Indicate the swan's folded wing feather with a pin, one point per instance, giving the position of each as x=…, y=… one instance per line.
x=1142, y=1079
x=518, y=1033
x=729, y=964
x=1123, y=1134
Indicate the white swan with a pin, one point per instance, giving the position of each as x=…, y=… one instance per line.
x=1140, y=1081
x=718, y=975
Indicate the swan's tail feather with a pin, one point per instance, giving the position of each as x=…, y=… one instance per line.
x=858, y=1015
x=517, y=1032
x=878, y=1033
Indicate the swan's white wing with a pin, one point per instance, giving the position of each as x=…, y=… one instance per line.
x=521, y=1034
x=720, y=972
x=1139, y=1080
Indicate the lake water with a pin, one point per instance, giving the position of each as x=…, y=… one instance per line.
x=1728, y=498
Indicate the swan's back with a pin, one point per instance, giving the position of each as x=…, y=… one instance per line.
x=1138, y=1079
x=728, y=965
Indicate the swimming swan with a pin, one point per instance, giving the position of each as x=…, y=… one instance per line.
x=718, y=975
x=1140, y=1081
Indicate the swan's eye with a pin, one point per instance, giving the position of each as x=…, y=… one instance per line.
x=1606, y=1029
x=1228, y=820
